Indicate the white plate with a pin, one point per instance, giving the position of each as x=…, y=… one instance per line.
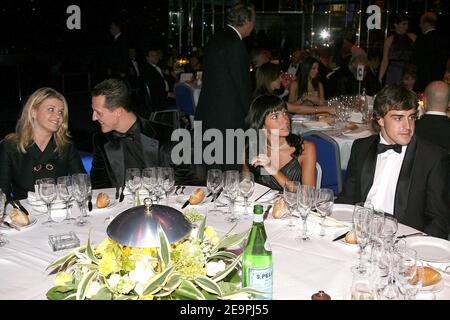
x=32, y=219
x=434, y=288
x=316, y=125
x=429, y=248
x=182, y=198
x=343, y=212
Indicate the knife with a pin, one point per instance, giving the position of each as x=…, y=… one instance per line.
x=218, y=194
x=209, y=195
x=117, y=192
x=411, y=235
x=266, y=213
x=185, y=204
x=122, y=196
x=90, y=202
x=341, y=236
x=21, y=207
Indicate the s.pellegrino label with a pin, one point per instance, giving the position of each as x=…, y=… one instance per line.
x=257, y=267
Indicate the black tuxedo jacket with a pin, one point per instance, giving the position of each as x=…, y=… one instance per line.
x=16, y=168
x=108, y=164
x=118, y=57
x=226, y=90
x=434, y=128
x=421, y=198
x=430, y=53
x=155, y=81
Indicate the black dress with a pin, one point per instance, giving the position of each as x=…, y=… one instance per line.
x=400, y=54
x=292, y=170
x=19, y=171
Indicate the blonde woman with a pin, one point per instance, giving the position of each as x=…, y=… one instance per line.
x=40, y=147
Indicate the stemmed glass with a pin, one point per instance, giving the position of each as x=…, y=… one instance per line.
x=214, y=182
x=305, y=200
x=362, y=220
x=150, y=180
x=166, y=179
x=133, y=181
x=47, y=192
x=324, y=206
x=3, y=240
x=64, y=187
x=231, y=191
x=290, y=197
x=376, y=230
x=80, y=191
x=409, y=273
x=246, y=187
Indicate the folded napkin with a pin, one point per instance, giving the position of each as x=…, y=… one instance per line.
x=316, y=124
x=34, y=201
x=356, y=116
x=358, y=133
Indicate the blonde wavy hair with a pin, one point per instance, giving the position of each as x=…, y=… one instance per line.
x=24, y=136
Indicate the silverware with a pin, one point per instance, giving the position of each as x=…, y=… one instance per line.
x=182, y=189
x=122, y=196
x=262, y=195
x=12, y=226
x=176, y=190
x=90, y=202
x=185, y=204
x=21, y=207
x=209, y=195
x=266, y=213
x=117, y=192
x=341, y=236
x=411, y=235
x=218, y=194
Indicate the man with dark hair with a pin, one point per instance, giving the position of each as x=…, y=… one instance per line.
x=434, y=125
x=226, y=91
x=126, y=140
x=430, y=52
x=398, y=172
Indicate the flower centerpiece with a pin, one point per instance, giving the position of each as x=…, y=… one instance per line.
x=198, y=267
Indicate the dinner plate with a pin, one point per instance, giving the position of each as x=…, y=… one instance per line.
x=32, y=219
x=429, y=248
x=343, y=212
x=317, y=125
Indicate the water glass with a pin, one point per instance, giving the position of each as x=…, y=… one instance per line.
x=214, y=181
x=47, y=192
x=134, y=182
x=363, y=286
x=64, y=188
x=362, y=221
x=290, y=189
x=305, y=200
x=324, y=206
x=80, y=191
x=166, y=179
x=150, y=180
x=246, y=187
x=231, y=191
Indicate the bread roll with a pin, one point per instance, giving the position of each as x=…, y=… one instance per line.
x=351, y=237
x=351, y=126
x=279, y=208
x=430, y=277
x=197, y=196
x=102, y=200
x=19, y=218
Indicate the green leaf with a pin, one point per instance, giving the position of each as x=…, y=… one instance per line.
x=173, y=282
x=90, y=253
x=84, y=284
x=219, y=276
x=72, y=296
x=125, y=297
x=230, y=241
x=208, y=285
x=187, y=290
x=222, y=255
x=59, y=293
x=164, y=248
x=66, y=257
x=156, y=282
x=102, y=294
x=201, y=230
x=236, y=294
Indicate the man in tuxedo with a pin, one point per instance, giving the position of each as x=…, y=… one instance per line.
x=117, y=58
x=125, y=140
x=430, y=52
x=296, y=59
x=397, y=171
x=434, y=125
x=226, y=90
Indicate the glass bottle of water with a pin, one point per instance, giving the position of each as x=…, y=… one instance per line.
x=257, y=264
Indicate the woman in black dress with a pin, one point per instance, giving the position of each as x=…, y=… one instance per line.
x=40, y=147
x=287, y=157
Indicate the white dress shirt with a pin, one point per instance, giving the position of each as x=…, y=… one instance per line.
x=387, y=170
x=240, y=36
x=162, y=75
x=292, y=69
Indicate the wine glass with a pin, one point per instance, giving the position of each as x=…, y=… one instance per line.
x=363, y=286
x=166, y=179
x=305, y=200
x=246, y=187
x=362, y=220
x=3, y=240
x=64, y=188
x=47, y=192
x=133, y=181
x=409, y=275
x=324, y=206
x=390, y=228
x=214, y=182
x=150, y=180
x=80, y=192
x=290, y=197
x=376, y=229
x=231, y=191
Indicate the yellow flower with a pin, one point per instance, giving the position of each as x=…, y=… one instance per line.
x=62, y=278
x=146, y=297
x=108, y=264
x=210, y=233
x=102, y=247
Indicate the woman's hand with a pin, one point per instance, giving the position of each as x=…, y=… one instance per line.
x=264, y=161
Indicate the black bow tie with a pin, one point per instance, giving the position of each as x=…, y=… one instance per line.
x=119, y=135
x=385, y=147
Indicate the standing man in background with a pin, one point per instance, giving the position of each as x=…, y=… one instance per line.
x=226, y=91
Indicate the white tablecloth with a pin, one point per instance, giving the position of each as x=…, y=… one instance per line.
x=300, y=268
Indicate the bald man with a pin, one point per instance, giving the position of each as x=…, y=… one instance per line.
x=434, y=126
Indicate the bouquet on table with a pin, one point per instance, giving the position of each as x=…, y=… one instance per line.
x=198, y=267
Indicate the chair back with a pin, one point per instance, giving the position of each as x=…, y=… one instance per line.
x=318, y=175
x=329, y=159
x=184, y=97
x=86, y=158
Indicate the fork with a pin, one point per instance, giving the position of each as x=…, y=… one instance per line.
x=176, y=190
x=182, y=190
